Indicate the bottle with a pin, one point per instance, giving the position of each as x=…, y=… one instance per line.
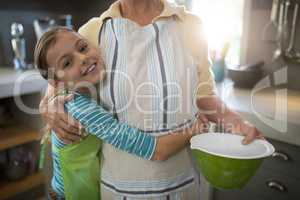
x=18, y=46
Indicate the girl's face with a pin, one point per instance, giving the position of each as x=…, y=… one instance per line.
x=75, y=62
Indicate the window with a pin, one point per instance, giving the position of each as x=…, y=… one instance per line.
x=223, y=21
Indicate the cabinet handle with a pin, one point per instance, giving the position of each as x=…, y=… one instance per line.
x=280, y=155
x=276, y=185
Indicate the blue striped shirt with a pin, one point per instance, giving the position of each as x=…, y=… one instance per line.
x=103, y=125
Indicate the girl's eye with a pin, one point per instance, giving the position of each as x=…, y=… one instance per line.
x=83, y=48
x=66, y=63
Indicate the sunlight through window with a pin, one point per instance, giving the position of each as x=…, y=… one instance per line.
x=223, y=22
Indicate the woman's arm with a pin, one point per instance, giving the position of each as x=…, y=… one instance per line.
x=103, y=125
x=217, y=111
x=66, y=128
x=207, y=101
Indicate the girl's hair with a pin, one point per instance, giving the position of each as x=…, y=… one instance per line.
x=42, y=47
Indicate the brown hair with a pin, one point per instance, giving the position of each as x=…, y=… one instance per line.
x=42, y=47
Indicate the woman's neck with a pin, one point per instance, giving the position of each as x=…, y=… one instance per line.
x=141, y=11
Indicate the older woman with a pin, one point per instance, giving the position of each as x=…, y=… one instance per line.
x=160, y=77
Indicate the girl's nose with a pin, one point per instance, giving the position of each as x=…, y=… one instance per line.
x=84, y=62
x=83, y=59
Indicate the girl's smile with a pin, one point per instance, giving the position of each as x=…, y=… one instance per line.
x=74, y=61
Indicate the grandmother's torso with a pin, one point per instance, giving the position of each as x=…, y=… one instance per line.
x=151, y=86
x=153, y=78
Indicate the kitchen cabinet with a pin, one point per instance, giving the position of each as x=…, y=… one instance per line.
x=16, y=135
x=277, y=179
x=20, y=129
x=286, y=160
x=12, y=136
x=9, y=189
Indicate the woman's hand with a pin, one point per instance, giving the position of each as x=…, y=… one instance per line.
x=217, y=112
x=52, y=111
x=250, y=132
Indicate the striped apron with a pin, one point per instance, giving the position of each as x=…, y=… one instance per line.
x=151, y=82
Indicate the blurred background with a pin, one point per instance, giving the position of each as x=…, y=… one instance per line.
x=253, y=47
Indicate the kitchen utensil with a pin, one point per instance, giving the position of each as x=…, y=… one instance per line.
x=42, y=25
x=64, y=20
x=278, y=51
x=225, y=162
x=18, y=46
x=270, y=29
x=245, y=76
x=274, y=12
x=291, y=52
x=285, y=29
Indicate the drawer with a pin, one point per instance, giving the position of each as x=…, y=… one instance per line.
x=285, y=160
x=235, y=195
x=265, y=185
x=268, y=184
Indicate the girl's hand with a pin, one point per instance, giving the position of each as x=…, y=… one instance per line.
x=168, y=145
x=52, y=111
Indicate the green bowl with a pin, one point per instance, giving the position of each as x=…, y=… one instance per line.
x=225, y=162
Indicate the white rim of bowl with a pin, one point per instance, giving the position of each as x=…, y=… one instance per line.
x=269, y=146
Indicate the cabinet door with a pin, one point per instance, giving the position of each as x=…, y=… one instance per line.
x=235, y=195
x=267, y=185
x=285, y=160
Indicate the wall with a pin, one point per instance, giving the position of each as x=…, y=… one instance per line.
x=26, y=11
x=256, y=16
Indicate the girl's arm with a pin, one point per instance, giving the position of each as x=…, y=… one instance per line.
x=174, y=142
x=169, y=145
x=103, y=125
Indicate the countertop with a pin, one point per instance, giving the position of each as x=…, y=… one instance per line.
x=15, y=83
x=274, y=111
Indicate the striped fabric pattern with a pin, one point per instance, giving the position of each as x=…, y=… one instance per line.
x=176, y=39
x=150, y=84
x=162, y=80
x=57, y=179
x=103, y=125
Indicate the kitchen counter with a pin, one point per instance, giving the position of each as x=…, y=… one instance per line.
x=14, y=83
x=274, y=111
